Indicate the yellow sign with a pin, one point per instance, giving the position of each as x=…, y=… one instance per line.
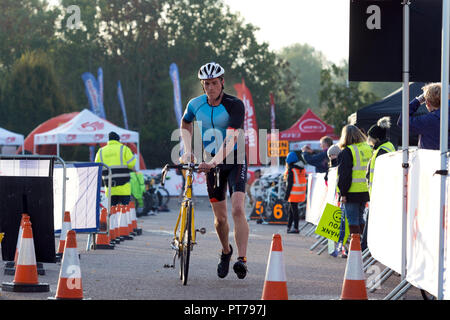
x=330, y=224
x=278, y=148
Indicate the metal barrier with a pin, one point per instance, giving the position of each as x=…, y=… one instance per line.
x=91, y=237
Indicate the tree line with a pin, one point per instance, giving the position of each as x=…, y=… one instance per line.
x=42, y=58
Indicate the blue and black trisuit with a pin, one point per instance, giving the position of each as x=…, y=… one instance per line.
x=213, y=123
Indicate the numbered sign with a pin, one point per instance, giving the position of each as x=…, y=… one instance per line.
x=258, y=210
x=279, y=214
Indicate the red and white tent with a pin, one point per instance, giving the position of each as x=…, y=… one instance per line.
x=308, y=127
x=8, y=138
x=85, y=128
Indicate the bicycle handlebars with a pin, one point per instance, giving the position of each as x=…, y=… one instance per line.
x=190, y=167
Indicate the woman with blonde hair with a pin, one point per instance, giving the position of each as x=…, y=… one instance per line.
x=352, y=185
x=427, y=126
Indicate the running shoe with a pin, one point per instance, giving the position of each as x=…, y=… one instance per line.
x=224, y=263
x=334, y=253
x=240, y=267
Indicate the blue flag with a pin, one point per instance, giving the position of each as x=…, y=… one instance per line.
x=122, y=104
x=93, y=95
x=100, y=84
x=173, y=71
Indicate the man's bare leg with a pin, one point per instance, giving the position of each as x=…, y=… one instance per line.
x=221, y=224
x=241, y=228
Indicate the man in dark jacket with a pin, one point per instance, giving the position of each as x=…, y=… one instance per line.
x=318, y=160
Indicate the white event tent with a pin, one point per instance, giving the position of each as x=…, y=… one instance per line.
x=86, y=128
x=8, y=138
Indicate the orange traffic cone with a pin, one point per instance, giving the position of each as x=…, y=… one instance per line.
x=66, y=226
x=117, y=224
x=103, y=241
x=354, y=286
x=275, y=287
x=136, y=229
x=112, y=226
x=10, y=268
x=26, y=275
x=123, y=225
x=69, y=282
x=130, y=221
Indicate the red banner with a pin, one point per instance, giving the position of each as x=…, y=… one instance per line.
x=250, y=125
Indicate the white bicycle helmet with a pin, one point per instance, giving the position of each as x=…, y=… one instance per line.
x=210, y=71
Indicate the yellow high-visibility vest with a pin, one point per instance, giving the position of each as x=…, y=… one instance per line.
x=121, y=160
x=388, y=147
x=361, y=153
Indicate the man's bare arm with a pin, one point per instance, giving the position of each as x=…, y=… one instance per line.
x=186, y=129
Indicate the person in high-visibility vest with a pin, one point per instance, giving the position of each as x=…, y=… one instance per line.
x=121, y=160
x=295, y=189
x=137, y=183
x=351, y=181
x=377, y=138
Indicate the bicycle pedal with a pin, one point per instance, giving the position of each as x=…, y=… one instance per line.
x=167, y=266
x=201, y=230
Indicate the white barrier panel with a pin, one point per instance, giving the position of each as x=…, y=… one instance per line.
x=384, y=237
x=83, y=182
x=385, y=218
x=317, y=197
x=331, y=191
x=25, y=167
x=423, y=220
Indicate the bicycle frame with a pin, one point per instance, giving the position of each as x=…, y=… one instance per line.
x=182, y=216
x=183, y=237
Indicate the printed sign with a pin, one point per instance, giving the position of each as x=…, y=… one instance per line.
x=279, y=213
x=278, y=148
x=257, y=211
x=330, y=223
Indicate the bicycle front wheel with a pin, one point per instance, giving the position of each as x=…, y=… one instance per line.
x=185, y=249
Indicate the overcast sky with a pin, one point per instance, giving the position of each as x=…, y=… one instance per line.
x=323, y=24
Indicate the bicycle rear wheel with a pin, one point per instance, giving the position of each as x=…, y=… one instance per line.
x=185, y=249
x=163, y=196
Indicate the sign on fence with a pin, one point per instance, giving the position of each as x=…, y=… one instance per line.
x=330, y=223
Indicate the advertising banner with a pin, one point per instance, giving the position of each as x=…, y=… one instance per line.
x=93, y=94
x=122, y=104
x=174, y=75
x=250, y=125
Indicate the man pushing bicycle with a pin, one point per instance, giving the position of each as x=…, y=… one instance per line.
x=220, y=118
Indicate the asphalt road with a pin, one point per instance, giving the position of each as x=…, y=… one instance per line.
x=134, y=269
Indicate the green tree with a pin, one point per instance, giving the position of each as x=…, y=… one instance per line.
x=380, y=89
x=25, y=25
x=32, y=93
x=135, y=42
x=305, y=62
x=340, y=98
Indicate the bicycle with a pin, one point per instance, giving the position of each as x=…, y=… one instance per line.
x=155, y=197
x=184, y=237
